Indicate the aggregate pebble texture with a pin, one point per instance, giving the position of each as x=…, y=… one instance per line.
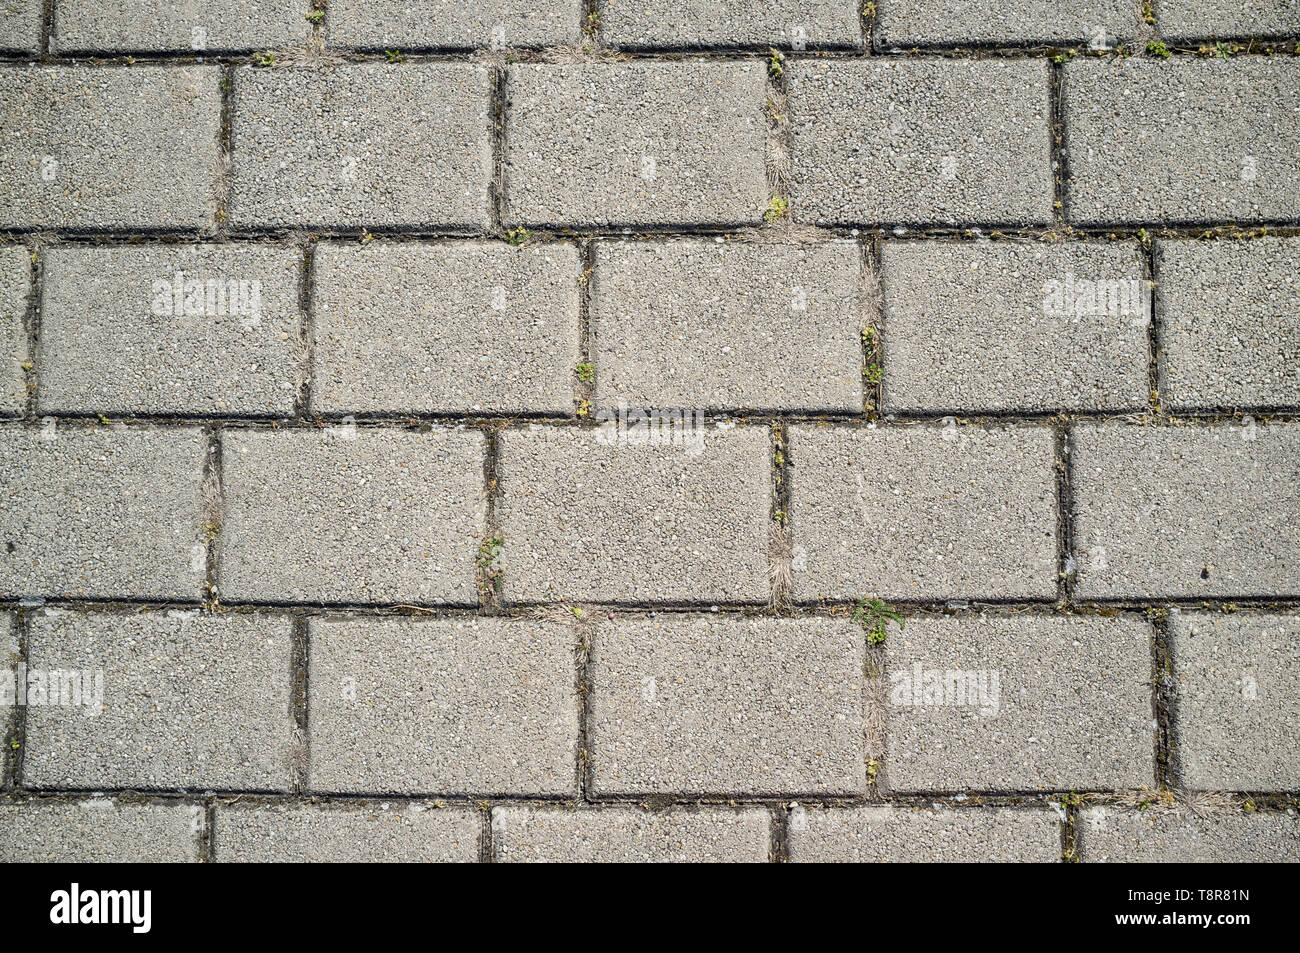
x=600, y=431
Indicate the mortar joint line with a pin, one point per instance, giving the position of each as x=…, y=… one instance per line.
x=211, y=501
x=299, y=702
x=15, y=737
x=306, y=350
x=36, y=251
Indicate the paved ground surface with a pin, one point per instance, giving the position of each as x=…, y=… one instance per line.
x=750, y=430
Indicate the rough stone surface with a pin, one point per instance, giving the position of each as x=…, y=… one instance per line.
x=1198, y=511
x=924, y=141
x=997, y=327
x=15, y=288
x=1188, y=20
x=630, y=835
x=797, y=24
x=470, y=327
x=366, y=833
x=99, y=831
x=1099, y=23
x=362, y=144
x=883, y=835
x=1111, y=835
x=1070, y=708
x=607, y=516
x=1229, y=323
x=1182, y=140
x=153, y=26
x=644, y=143
x=121, y=334
x=190, y=701
x=481, y=707
x=20, y=25
x=351, y=515
x=923, y=512
x=695, y=705
x=1237, y=697
x=728, y=326
x=495, y=24
x=98, y=147
x=102, y=512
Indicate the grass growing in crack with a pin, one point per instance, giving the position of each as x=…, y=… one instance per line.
x=1156, y=48
x=874, y=615
x=776, y=209
x=586, y=372
x=517, y=236
x=775, y=63
x=395, y=56
x=489, y=563
x=264, y=59
x=316, y=17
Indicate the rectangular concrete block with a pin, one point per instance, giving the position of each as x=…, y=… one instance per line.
x=99, y=830
x=1237, y=700
x=901, y=835
x=907, y=23
x=362, y=144
x=697, y=324
x=1196, y=511
x=459, y=327
x=697, y=705
x=989, y=327
x=102, y=512
x=1190, y=20
x=20, y=25
x=636, y=143
x=345, y=833
x=630, y=835
x=351, y=515
x=188, y=701
x=1112, y=835
x=496, y=24
x=182, y=329
x=109, y=147
x=1019, y=702
x=166, y=26
x=15, y=289
x=923, y=512
x=622, y=513
x=797, y=24
x=1184, y=140
x=459, y=707
x=920, y=141
x=1229, y=323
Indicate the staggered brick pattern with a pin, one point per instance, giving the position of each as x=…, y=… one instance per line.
x=721, y=430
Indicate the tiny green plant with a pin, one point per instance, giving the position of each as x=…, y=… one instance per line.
x=1224, y=50
x=489, y=561
x=1071, y=800
x=777, y=208
x=316, y=17
x=264, y=59
x=395, y=56
x=874, y=615
x=775, y=63
x=872, y=374
x=1156, y=48
x=517, y=236
x=586, y=372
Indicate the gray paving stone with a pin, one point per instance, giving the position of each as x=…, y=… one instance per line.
x=630, y=835
x=800, y=24
x=936, y=22
x=728, y=326
x=185, y=329
x=190, y=701
x=99, y=831
x=20, y=25
x=469, y=327
x=362, y=144
x=496, y=24
x=481, y=707
x=643, y=143
x=155, y=26
x=1110, y=835
x=1187, y=20
x=1070, y=708
x=1237, y=685
x=998, y=326
x=620, y=514
x=923, y=512
x=15, y=288
x=109, y=147
x=366, y=833
x=1229, y=323
x=351, y=515
x=695, y=705
x=923, y=141
x=882, y=835
x=1182, y=140
x=100, y=512
x=1195, y=511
